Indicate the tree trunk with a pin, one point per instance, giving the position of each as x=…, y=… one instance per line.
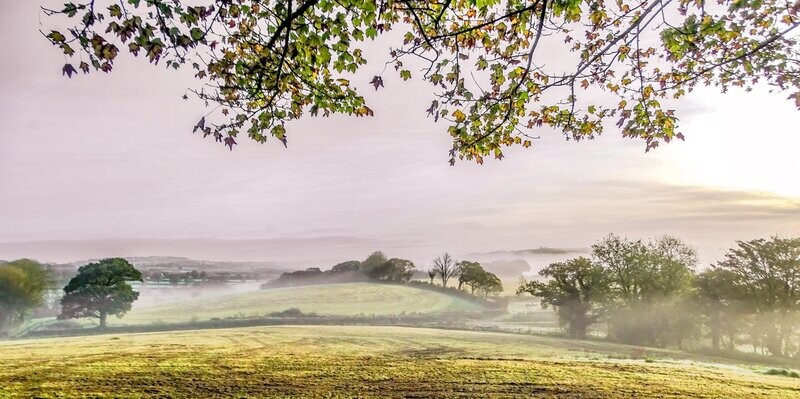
x=103, y=317
x=773, y=343
x=731, y=338
x=715, y=332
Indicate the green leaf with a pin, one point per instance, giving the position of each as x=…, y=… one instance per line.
x=197, y=34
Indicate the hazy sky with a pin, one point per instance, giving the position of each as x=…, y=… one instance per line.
x=112, y=158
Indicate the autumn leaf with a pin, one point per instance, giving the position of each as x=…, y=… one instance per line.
x=56, y=36
x=796, y=97
x=377, y=81
x=265, y=70
x=230, y=142
x=68, y=70
x=201, y=124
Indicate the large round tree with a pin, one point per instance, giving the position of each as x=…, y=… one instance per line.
x=100, y=289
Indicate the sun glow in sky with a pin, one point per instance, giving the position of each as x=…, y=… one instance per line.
x=112, y=157
x=750, y=145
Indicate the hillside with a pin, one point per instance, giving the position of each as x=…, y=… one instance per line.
x=334, y=299
x=315, y=361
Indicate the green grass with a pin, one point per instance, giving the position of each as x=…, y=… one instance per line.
x=334, y=299
x=317, y=361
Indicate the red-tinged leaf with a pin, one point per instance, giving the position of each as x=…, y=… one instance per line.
x=201, y=124
x=230, y=142
x=796, y=97
x=68, y=70
x=84, y=67
x=432, y=109
x=377, y=81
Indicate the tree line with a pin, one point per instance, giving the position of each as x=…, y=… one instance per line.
x=100, y=289
x=649, y=292
x=377, y=267
x=466, y=273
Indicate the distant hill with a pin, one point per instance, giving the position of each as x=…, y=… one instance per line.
x=534, y=251
x=518, y=262
x=181, y=263
x=331, y=299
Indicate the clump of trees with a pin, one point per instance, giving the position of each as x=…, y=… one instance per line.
x=100, y=289
x=375, y=267
x=467, y=273
x=474, y=276
x=752, y=296
x=24, y=284
x=649, y=293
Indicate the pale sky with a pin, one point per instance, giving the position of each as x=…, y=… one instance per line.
x=111, y=159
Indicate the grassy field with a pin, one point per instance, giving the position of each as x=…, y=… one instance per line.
x=334, y=299
x=316, y=361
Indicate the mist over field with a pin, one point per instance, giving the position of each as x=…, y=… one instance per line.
x=399, y=199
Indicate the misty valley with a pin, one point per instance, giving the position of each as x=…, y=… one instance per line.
x=182, y=328
x=570, y=199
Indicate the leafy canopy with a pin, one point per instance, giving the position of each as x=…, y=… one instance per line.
x=500, y=70
x=577, y=289
x=478, y=279
x=23, y=285
x=100, y=289
x=764, y=274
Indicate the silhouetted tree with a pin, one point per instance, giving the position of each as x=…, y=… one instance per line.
x=431, y=275
x=445, y=267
